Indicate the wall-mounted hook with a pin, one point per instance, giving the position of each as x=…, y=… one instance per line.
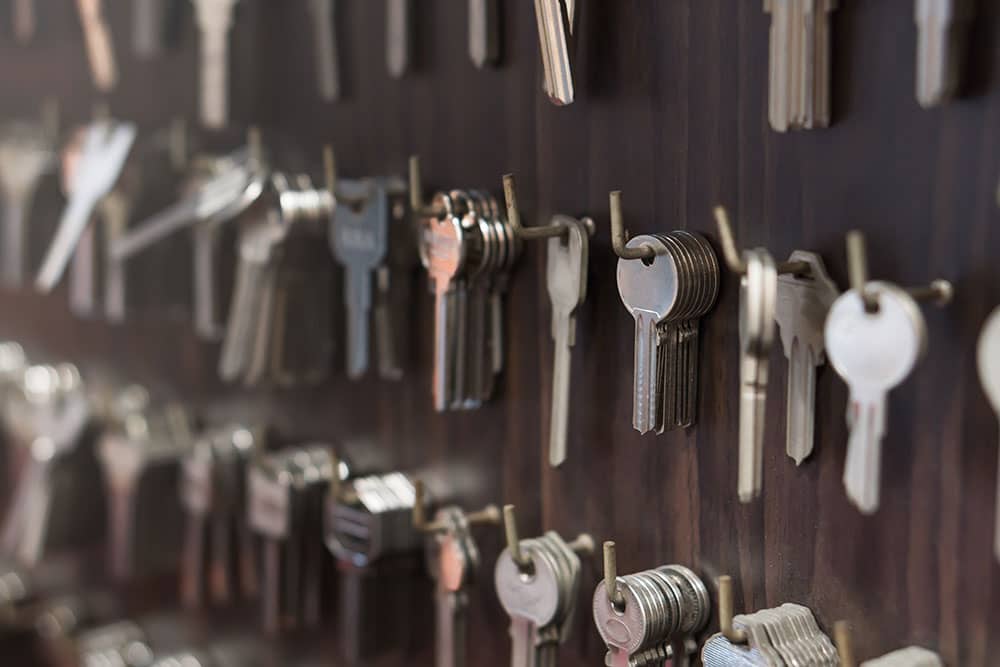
x=726, y=612
x=417, y=204
x=513, y=542
x=733, y=256
x=330, y=169
x=615, y=596
x=938, y=292
x=845, y=646
x=255, y=144
x=619, y=236
x=488, y=515
x=555, y=229
x=50, y=118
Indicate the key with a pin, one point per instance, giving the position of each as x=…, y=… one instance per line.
x=26, y=155
x=484, y=32
x=24, y=20
x=394, y=284
x=800, y=312
x=399, y=30
x=873, y=353
x=105, y=148
x=942, y=29
x=566, y=280
x=196, y=491
x=649, y=292
x=443, y=255
x=758, y=289
x=215, y=18
x=115, y=209
x=100, y=47
x=800, y=63
x=325, y=44
x=913, y=656
x=453, y=559
x=358, y=238
x=988, y=359
x=556, y=24
x=147, y=28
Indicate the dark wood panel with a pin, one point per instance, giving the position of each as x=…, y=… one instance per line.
x=672, y=110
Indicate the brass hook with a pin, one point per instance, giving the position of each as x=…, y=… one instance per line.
x=619, y=237
x=101, y=112
x=488, y=515
x=845, y=647
x=514, y=216
x=938, y=292
x=726, y=612
x=255, y=144
x=523, y=563
x=50, y=118
x=583, y=545
x=417, y=204
x=615, y=596
x=733, y=256
x=330, y=169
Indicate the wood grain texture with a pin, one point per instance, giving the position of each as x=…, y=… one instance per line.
x=672, y=109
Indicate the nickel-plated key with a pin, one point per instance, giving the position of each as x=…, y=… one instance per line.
x=566, y=280
x=26, y=154
x=802, y=305
x=24, y=19
x=942, y=29
x=484, y=32
x=359, y=236
x=105, y=148
x=100, y=47
x=215, y=18
x=147, y=27
x=324, y=20
x=873, y=352
x=556, y=24
x=399, y=36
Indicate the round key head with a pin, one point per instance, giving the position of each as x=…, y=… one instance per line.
x=566, y=264
x=452, y=556
x=535, y=595
x=627, y=628
x=442, y=250
x=988, y=358
x=875, y=350
x=649, y=284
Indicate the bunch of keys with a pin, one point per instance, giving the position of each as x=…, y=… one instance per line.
x=668, y=282
x=453, y=561
x=942, y=30
x=219, y=557
x=123, y=643
x=557, y=20
x=914, y=656
x=468, y=249
x=280, y=329
x=285, y=493
x=538, y=583
x=786, y=635
x=27, y=153
x=370, y=218
x=140, y=454
x=649, y=618
x=800, y=63
x=370, y=531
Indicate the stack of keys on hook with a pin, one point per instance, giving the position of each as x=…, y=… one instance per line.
x=873, y=352
x=540, y=596
x=913, y=656
x=219, y=558
x=370, y=531
x=285, y=508
x=660, y=611
x=468, y=249
x=786, y=635
x=758, y=295
x=667, y=295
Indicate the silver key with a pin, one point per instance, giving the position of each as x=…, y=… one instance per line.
x=649, y=292
x=324, y=20
x=484, y=32
x=758, y=289
x=566, y=280
x=942, y=29
x=24, y=19
x=800, y=63
x=873, y=353
x=359, y=239
x=913, y=656
x=100, y=47
x=215, y=18
x=26, y=154
x=453, y=559
x=147, y=28
x=988, y=358
x=801, y=309
x=399, y=36
x=556, y=24
x=105, y=148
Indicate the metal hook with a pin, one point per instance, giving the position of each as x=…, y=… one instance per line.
x=330, y=169
x=733, y=256
x=514, y=216
x=417, y=204
x=939, y=292
x=615, y=596
x=524, y=564
x=255, y=144
x=619, y=237
x=50, y=118
x=845, y=647
x=726, y=612
x=488, y=515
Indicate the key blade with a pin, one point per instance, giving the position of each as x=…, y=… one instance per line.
x=398, y=36
x=326, y=56
x=559, y=423
x=862, y=470
x=484, y=29
x=554, y=33
x=147, y=34
x=801, y=402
